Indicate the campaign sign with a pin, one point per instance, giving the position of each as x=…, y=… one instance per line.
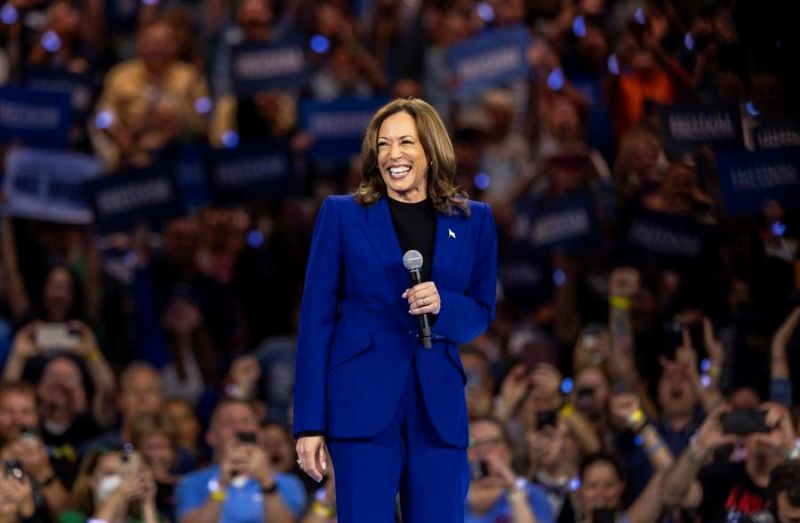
x=688, y=127
x=773, y=135
x=337, y=126
x=673, y=240
x=749, y=179
x=192, y=177
x=127, y=198
x=525, y=275
x=47, y=185
x=257, y=67
x=566, y=223
x=79, y=86
x=35, y=118
x=247, y=172
x=490, y=59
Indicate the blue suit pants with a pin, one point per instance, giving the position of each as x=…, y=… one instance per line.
x=408, y=457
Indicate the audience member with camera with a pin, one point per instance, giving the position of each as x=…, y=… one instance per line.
x=114, y=486
x=726, y=489
x=241, y=486
x=495, y=490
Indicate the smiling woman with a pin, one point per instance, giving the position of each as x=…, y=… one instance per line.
x=409, y=132
x=390, y=409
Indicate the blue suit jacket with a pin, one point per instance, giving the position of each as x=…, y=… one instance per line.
x=356, y=339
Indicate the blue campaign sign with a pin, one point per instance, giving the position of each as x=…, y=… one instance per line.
x=749, y=179
x=673, y=240
x=191, y=166
x=337, y=126
x=264, y=66
x=772, y=135
x=688, y=127
x=79, y=86
x=250, y=171
x=129, y=197
x=34, y=118
x=490, y=59
x=566, y=223
x=42, y=184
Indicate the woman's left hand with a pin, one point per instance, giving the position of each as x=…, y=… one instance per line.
x=423, y=298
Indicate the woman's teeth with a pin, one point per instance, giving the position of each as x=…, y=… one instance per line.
x=399, y=172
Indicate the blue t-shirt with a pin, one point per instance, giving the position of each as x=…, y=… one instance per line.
x=501, y=510
x=243, y=504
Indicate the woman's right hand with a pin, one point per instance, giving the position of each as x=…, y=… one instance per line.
x=312, y=456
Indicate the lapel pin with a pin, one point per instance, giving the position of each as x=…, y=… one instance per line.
x=450, y=233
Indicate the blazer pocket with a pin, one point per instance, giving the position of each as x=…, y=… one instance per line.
x=455, y=359
x=347, y=344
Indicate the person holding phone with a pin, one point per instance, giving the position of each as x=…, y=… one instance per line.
x=496, y=492
x=602, y=483
x=113, y=485
x=241, y=486
x=724, y=490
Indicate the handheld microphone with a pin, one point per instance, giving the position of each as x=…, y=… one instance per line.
x=412, y=260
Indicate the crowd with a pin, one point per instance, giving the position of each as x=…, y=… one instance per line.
x=643, y=365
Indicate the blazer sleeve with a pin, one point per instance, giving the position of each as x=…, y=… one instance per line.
x=462, y=317
x=317, y=321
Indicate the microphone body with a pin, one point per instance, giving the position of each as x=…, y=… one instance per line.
x=412, y=260
x=423, y=320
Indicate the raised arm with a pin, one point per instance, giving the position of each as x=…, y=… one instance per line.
x=780, y=385
x=18, y=298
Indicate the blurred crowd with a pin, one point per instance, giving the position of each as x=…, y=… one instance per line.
x=147, y=375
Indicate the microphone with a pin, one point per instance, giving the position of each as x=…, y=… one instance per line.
x=412, y=260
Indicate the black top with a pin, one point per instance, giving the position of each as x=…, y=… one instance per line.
x=729, y=493
x=415, y=225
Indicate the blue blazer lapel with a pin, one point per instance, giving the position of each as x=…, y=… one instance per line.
x=451, y=233
x=380, y=234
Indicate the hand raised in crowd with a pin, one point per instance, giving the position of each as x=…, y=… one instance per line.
x=782, y=435
x=512, y=391
x=24, y=344
x=624, y=282
x=626, y=410
x=714, y=347
x=87, y=342
x=244, y=375
x=546, y=386
x=16, y=498
x=32, y=453
x=710, y=435
x=783, y=335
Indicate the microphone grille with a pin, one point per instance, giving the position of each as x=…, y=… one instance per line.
x=412, y=260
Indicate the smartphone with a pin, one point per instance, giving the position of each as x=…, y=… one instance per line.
x=744, y=422
x=672, y=339
x=478, y=469
x=55, y=336
x=131, y=460
x=246, y=437
x=13, y=469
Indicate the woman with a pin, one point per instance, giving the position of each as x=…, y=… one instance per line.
x=392, y=413
x=113, y=486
